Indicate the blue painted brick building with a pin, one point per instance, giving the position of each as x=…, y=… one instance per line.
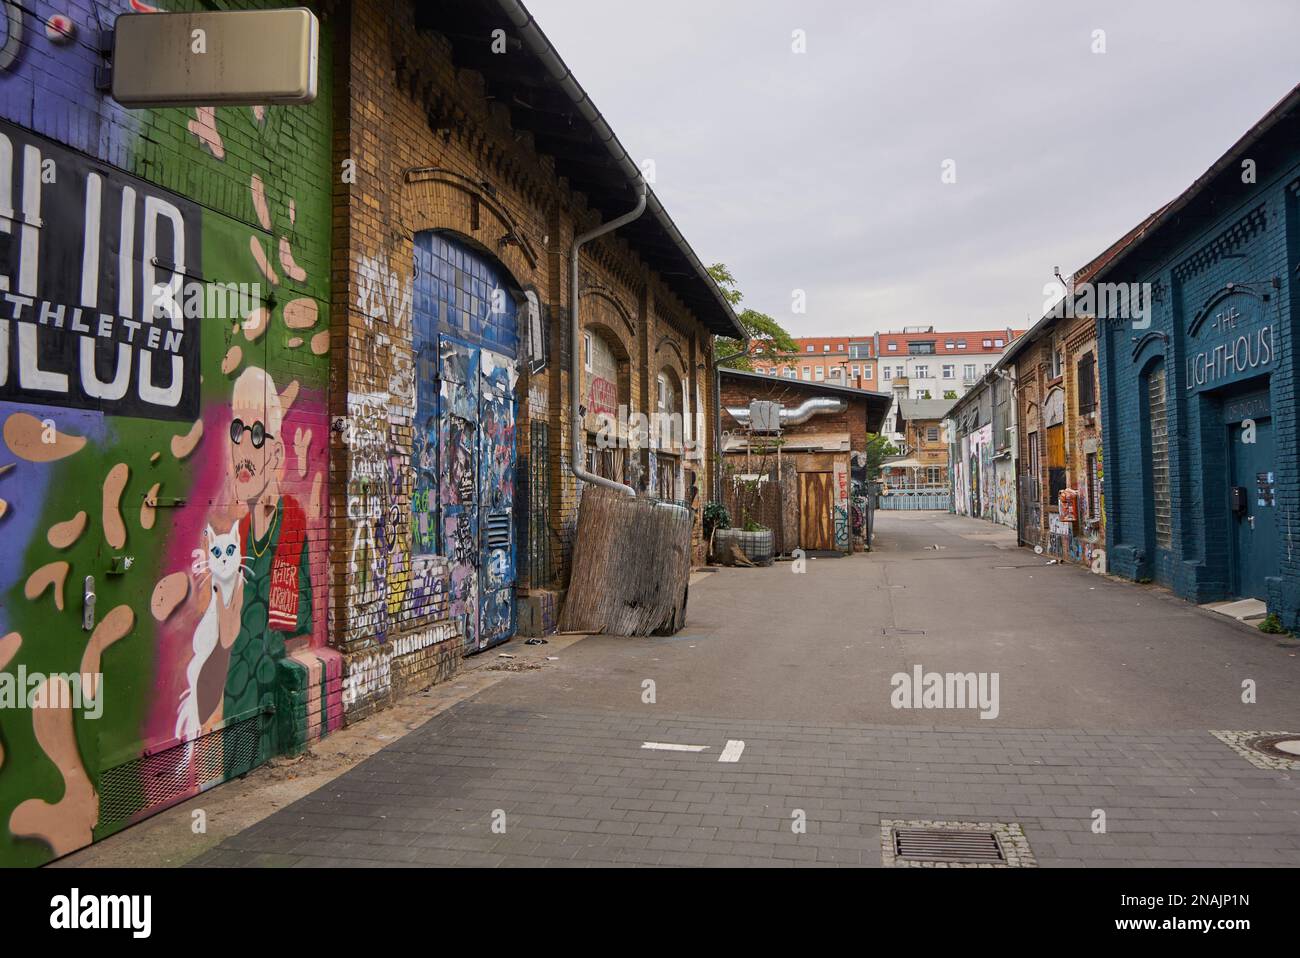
x=1202, y=477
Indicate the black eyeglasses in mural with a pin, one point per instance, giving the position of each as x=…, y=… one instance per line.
x=257, y=431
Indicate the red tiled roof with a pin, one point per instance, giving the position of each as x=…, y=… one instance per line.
x=973, y=338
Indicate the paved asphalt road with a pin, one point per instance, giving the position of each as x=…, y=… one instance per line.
x=1107, y=693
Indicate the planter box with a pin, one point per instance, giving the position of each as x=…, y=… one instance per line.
x=757, y=547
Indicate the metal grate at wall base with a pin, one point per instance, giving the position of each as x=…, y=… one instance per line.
x=153, y=780
x=929, y=844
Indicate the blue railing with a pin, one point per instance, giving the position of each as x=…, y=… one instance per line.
x=916, y=498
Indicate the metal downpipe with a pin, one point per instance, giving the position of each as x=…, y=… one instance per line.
x=575, y=348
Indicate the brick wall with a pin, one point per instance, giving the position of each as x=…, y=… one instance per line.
x=425, y=140
x=1235, y=232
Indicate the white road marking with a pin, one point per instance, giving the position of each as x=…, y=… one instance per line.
x=672, y=747
x=732, y=751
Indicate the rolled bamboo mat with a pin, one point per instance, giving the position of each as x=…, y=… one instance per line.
x=631, y=566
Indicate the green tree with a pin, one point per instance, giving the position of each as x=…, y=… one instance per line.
x=950, y=394
x=878, y=449
x=763, y=329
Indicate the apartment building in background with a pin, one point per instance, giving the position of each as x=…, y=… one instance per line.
x=919, y=362
x=924, y=363
x=834, y=360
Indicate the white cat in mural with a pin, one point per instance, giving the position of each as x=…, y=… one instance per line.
x=224, y=562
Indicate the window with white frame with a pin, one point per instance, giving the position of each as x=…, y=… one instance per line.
x=949, y=371
x=586, y=351
x=821, y=373
x=921, y=371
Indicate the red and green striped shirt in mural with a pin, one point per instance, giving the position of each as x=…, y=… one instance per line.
x=277, y=604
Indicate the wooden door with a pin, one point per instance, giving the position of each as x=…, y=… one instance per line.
x=816, y=501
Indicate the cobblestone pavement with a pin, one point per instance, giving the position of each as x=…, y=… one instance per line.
x=1111, y=714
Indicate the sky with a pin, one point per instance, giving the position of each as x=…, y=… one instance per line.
x=822, y=171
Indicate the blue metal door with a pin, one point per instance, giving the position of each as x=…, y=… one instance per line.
x=496, y=619
x=1254, y=522
x=464, y=438
x=477, y=487
x=458, y=478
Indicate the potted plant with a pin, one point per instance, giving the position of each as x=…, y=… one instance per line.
x=752, y=543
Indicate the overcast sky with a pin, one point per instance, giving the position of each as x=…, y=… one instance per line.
x=821, y=171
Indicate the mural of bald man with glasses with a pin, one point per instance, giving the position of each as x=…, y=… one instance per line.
x=276, y=608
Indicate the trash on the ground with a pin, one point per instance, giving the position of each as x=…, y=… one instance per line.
x=505, y=655
x=536, y=642
x=552, y=658
x=521, y=666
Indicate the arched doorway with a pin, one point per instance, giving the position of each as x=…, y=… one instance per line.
x=667, y=479
x=606, y=372
x=463, y=448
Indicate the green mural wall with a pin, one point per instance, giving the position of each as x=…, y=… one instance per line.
x=179, y=459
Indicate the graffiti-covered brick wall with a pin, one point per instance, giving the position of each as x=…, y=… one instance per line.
x=163, y=403
x=1085, y=509
x=413, y=418
x=452, y=504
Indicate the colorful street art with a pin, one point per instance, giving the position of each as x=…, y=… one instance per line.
x=171, y=463
x=1004, y=492
x=979, y=471
x=464, y=463
x=842, y=526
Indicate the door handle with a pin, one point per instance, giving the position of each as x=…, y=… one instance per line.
x=88, y=604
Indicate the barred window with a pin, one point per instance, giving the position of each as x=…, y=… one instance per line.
x=1161, y=502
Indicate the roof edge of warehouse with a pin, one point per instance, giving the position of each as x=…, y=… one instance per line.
x=724, y=321
x=1101, y=265
x=1154, y=223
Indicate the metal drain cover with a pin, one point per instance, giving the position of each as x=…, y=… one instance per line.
x=929, y=844
x=945, y=845
x=1276, y=750
x=1279, y=746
